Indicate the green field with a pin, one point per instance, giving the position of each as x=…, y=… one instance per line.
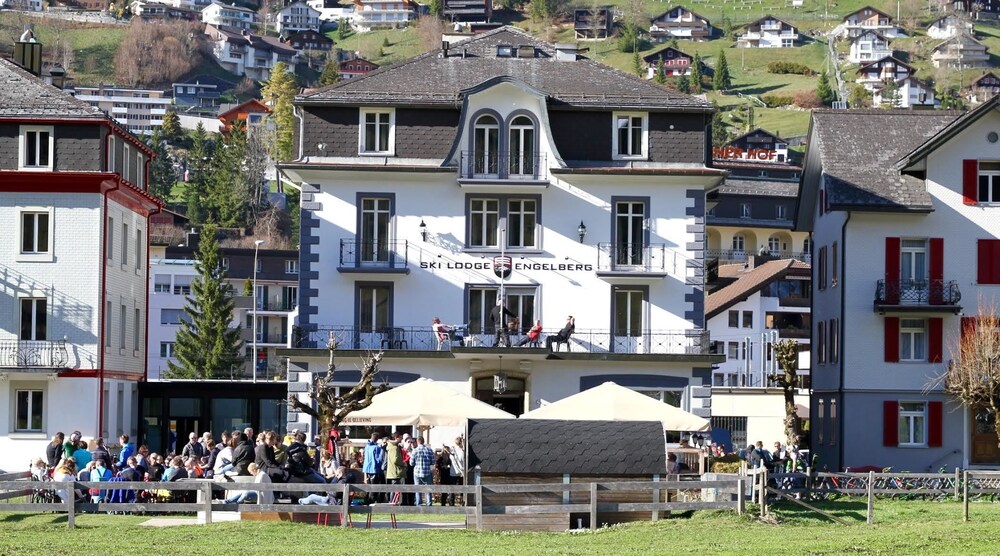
x=900, y=528
x=94, y=46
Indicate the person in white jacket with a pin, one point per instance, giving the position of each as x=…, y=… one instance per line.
x=457, y=467
x=262, y=496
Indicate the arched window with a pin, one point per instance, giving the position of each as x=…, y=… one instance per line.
x=774, y=245
x=522, y=147
x=739, y=242
x=486, y=146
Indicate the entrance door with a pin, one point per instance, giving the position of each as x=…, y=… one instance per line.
x=984, y=438
x=510, y=400
x=178, y=430
x=630, y=221
x=913, y=271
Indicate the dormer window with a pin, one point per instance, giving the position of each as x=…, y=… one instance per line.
x=505, y=51
x=36, y=147
x=376, y=131
x=486, y=146
x=630, y=135
x=522, y=146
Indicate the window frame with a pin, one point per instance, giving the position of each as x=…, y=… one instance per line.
x=137, y=331
x=22, y=148
x=167, y=350
x=158, y=286
x=34, y=301
x=502, y=214
x=993, y=176
x=109, y=239
x=108, y=325
x=910, y=416
x=30, y=388
x=913, y=332
x=363, y=132
x=643, y=129
x=125, y=236
x=292, y=266
x=171, y=311
x=734, y=318
x=38, y=255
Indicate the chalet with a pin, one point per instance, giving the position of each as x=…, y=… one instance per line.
x=309, y=40
x=593, y=23
x=383, y=14
x=984, y=88
x=679, y=23
x=221, y=15
x=873, y=74
x=295, y=17
x=243, y=53
x=959, y=52
x=868, y=19
x=252, y=113
x=356, y=67
x=908, y=92
x=868, y=47
x=468, y=10
x=768, y=32
x=949, y=26
x=675, y=62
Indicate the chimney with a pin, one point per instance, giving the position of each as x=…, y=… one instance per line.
x=193, y=238
x=566, y=51
x=444, y=49
x=28, y=51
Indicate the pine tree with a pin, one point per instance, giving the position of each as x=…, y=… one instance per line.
x=197, y=177
x=331, y=71
x=684, y=84
x=637, y=63
x=723, y=81
x=661, y=75
x=279, y=92
x=823, y=89
x=720, y=133
x=171, y=126
x=696, y=78
x=206, y=346
x=890, y=94
x=435, y=8
x=229, y=196
x=161, y=172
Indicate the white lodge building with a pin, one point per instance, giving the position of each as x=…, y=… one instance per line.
x=416, y=177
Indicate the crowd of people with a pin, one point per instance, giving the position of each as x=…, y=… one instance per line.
x=264, y=458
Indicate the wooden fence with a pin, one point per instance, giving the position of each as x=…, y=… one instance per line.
x=474, y=495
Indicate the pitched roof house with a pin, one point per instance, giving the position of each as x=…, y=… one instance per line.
x=679, y=22
x=768, y=32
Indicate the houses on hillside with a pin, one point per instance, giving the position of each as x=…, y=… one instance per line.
x=868, y=19
x=679, y=22
x=232, y=16
x=875, y=74
x=948, y=26
x=468, y=10
x=959, y=52
x=593, y=23
x=675, y=62
x=383, y=14
x=356, y=67
x=983, y=88
x=905, y=244
x=296, y=17
x=867, y=47
x=138, y=110
x=768, y=32
x=464, y=179
x=244, y=53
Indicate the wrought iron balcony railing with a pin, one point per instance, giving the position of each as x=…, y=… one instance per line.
x=921, y=293
x=423, y=338
x=632, y=257
x=374, y=255
x=493, y=166
x=33, y=354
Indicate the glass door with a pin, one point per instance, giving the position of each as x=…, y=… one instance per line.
x=630, y=224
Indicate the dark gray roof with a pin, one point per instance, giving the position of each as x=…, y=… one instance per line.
x=433, y=79
x=859, y=149
x=531, y=446
x=27, y=96
x=759, y=187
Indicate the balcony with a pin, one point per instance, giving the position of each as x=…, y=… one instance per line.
x=511, y=169
x=271, y=339
x=475, y=340
x=275, y=305
x=632, y=260
x=730, y=256
x=379, y=257
x=32, y=354
x=901, y=296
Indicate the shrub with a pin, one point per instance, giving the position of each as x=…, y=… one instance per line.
x=777, y=101
x=808, y=99
x=789, y=67
x=725, y=466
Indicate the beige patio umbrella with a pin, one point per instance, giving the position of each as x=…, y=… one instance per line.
x=424, y=402
x=611, y=402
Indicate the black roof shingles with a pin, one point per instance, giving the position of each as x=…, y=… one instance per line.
x=859, y=150
x=542, y=446
x=24, y=95
x=433, y=79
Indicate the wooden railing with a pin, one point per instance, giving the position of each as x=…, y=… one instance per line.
x=474, y=509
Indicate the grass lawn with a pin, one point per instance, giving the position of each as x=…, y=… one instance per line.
x=94, y=46
x=900, y=528
x=403, y=44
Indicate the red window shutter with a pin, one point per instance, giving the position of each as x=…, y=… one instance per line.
x=935, y=425
x=970, y=181
x=890, y=423
x=891, y=339
x=892, y=246
x=984, y=265
x=935, y=340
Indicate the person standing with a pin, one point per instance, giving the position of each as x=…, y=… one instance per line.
x=373, y=464
x=443, y=465
x=497, y=317
x=102, y=455
x=423, y=470
x=457, y=467
x=395, y=470
x=128, y=450
x=193, y=448
x=54, y=451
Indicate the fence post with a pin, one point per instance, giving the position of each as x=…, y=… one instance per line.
x=957, y=487
x=71, y=507
x=479, y=507
x=762, y=493
x=345, y=504
x=741, y=496
x=656, y=498
x=593, y=506
x=206, y=493
x=871, y=497
x=965, y=495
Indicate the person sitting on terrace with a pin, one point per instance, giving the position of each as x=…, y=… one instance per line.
x=562, y=337
x=532, y=337
x=441, y=332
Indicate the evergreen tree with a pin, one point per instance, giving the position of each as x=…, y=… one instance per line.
x=195, y=194
x=161, y=172
x=890, y=94
x=279, y=92
x=171, y=126
x=229, y=196
x=206, y=347
x=331, y=71
x=696, y=78
x=684, y=84
x=435, y=8
x=629, y=39
x=723, y=81
x=661, y=75
x=823, y=89
x=637, y=63
x=720, y=133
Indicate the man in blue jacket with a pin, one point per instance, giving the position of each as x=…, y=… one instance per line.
x=374, y=464
x=128, y=450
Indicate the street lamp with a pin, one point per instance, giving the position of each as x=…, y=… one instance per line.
x=581, y=230
x=256, y=247
x=423, y=230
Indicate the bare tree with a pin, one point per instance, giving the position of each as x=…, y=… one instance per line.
x=972, y=376
x=429, y=29
x=786, y=352
x=156, y=52
x=331, y=408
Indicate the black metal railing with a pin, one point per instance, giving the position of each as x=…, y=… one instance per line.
x=34, y=354
x=423, y=338
x=509, y=166
x=632, y=257
x=917, y=292
x=275, y=304
x=375, y=255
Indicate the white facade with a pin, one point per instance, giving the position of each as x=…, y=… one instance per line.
x=768, y=32
x=228, y=16
x=868, y=19
x=139, y=110
x=378, y=14
x=297, y=16
x=868, y=47
x=910, y=93
x=949, y=26
x=875, y=74
x=249, y=55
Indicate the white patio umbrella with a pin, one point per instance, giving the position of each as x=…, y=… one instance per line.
x=424, y=402
x=611, y=402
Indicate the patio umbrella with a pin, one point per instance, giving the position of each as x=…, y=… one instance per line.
x=611, y=402
x=424, y=402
